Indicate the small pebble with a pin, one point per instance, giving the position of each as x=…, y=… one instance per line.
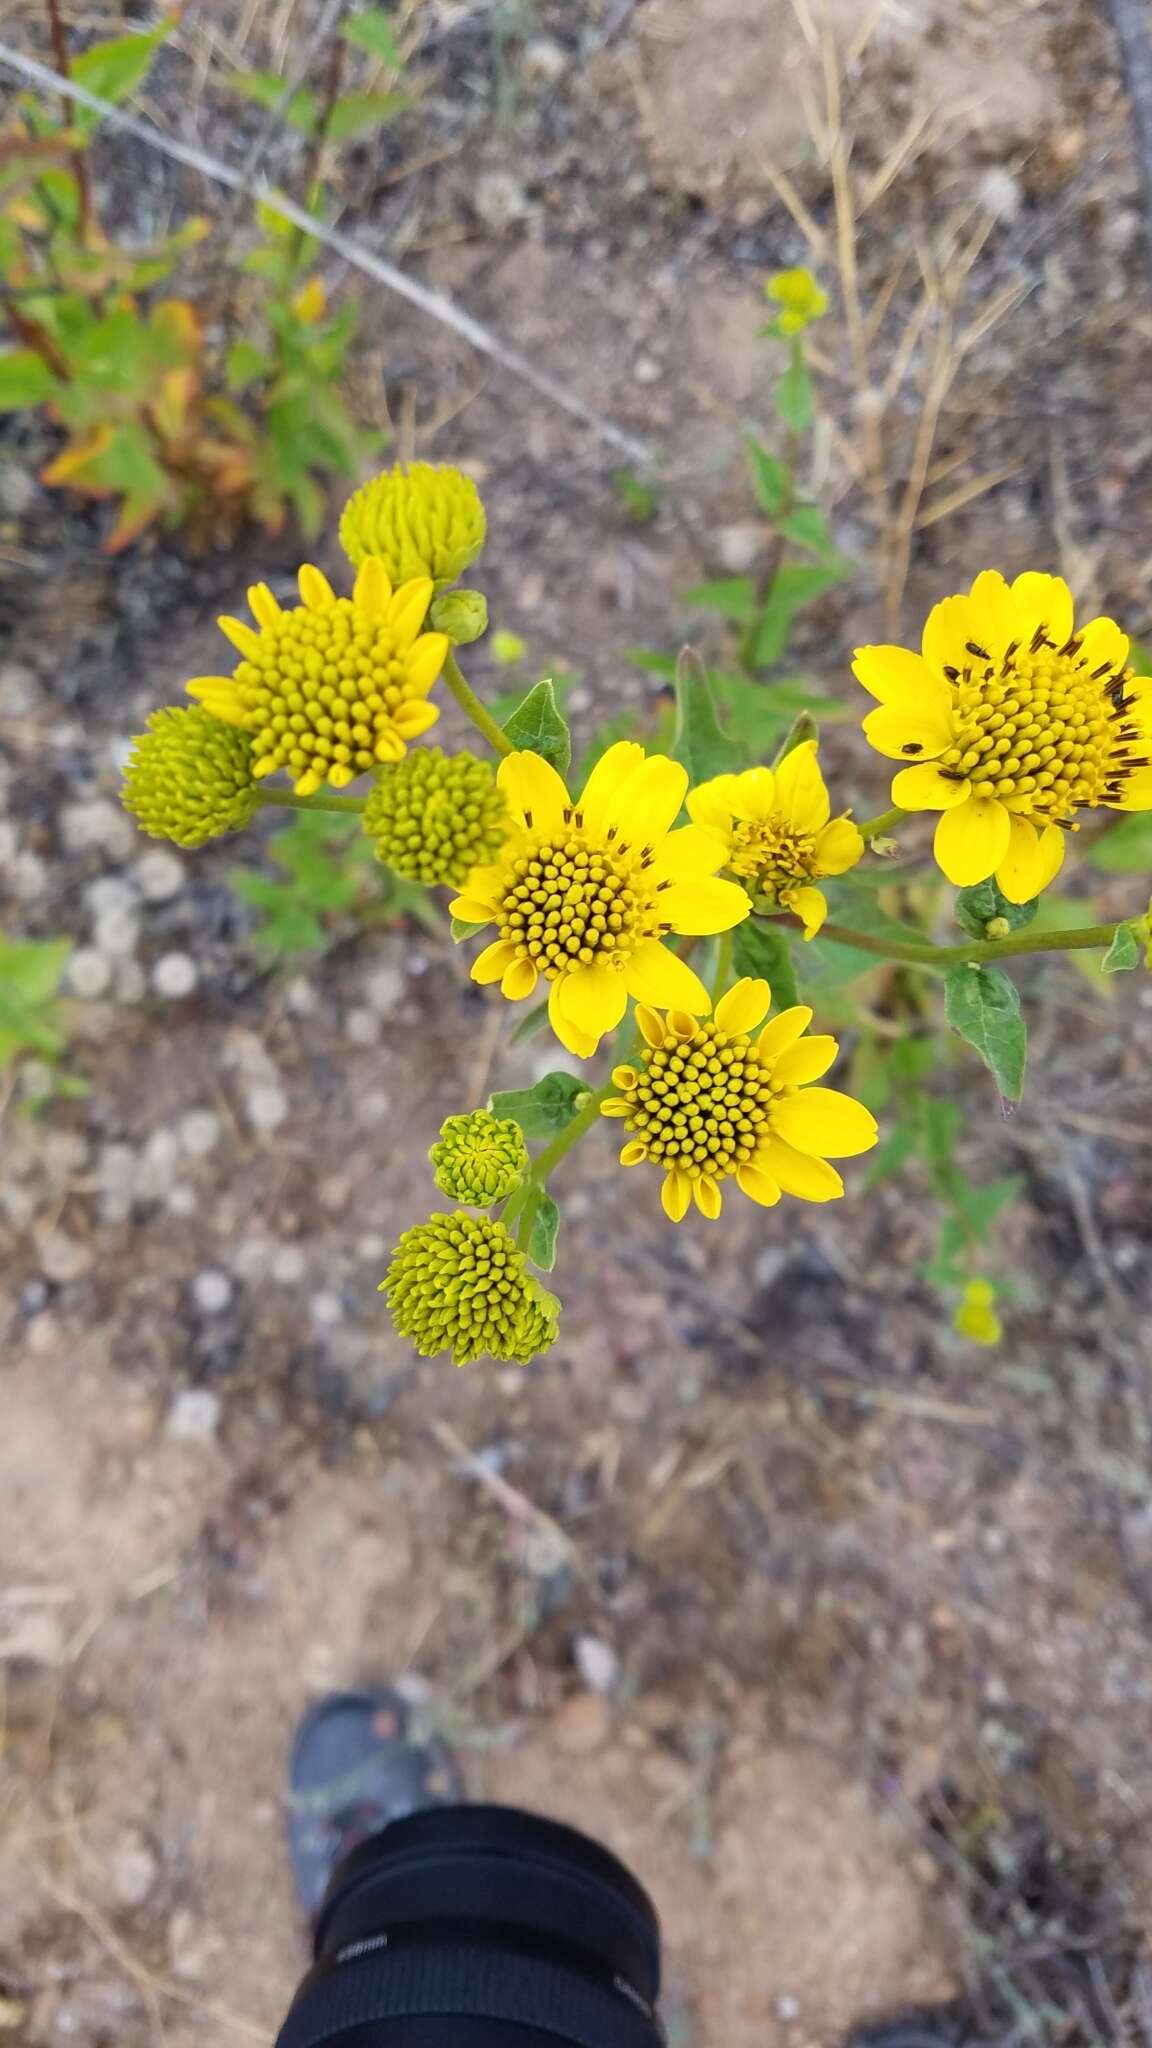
x=289, y=1264
x=88, y=974
x=181, y=1200
x=17, y=689
x=117, y=932
x=385, y=987
x=326, y=1310
x=266, y=1105
x=199, y=1132
x=646, y=370
x=159, y=875
x=131, y=982
x=96, y=825
x=194, y=1416
x=787, y=2007
x=362, y=1027
x=300, y=997
x=174, y=975
x=212, y=1291
x=372, y=1248
x=133, y=1869
x=597, y=1663
x=63, y=1258
x=109, y=893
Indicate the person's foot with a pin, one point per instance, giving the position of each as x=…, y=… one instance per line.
x=359, y=1761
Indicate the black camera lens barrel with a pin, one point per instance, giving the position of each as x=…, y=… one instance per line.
x=480, y=1926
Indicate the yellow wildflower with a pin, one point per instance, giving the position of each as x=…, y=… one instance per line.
x=779, y=834
x=421, y=518
x=586, y=890
x=1012, y=720
x=706, y=1102
x=310, y=303
x=460, y=1284
x=335, y=685
x=800, y=299
x=976, y=1316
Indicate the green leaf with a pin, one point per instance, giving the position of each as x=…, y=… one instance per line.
x=980, y=1206
x=244, y=363
x=699, y=742
x=794, y=585
x=31, y=1018
x=1125, y=951
x=1127, y=848
x=461, y=929
x=762, y=950
x=373, y=31
x=732, y=596
x=808, y=527
x=794, y=394
x=546, y=1109
x=542, y=1239
x=267, y=89
x=531, y=1024
x=356, y=112
x=114, y=69
x=537, y=727
x=895, y=1151
x=770, y=479
x=984, y=1007
x=976, y=907
x=25, y=379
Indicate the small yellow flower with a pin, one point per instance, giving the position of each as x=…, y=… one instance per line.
x=422, y=519
x=334, y=686
x=587, y=889
x=189, y=778
x=800, y=299
x=459, y=1283
x=706, y=1102
x=1011, y=719
x=976, y=1316
x=479, y=1158
x=311, y=302
x=779, y=833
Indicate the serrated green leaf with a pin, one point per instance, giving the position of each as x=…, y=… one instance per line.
x=699, y=741
x=770, y=479
x=1127, y=848
x=373, y=31
x=356, y=112
x=537, y=727
x=984, y=1007
x=763, y=951
x=1125, y=951
x=542, y=1238
x=793, y=394
x=113, y=70
x=25, y=379
x=546, y=1109
x=976, y=907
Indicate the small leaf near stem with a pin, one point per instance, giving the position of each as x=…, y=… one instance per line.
x=550, y=1157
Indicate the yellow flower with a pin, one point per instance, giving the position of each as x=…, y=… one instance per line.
x=335, y=685
x=976, y=1316
x=586, y=890
x=777, y=830
x=310, y=302
x=422, y=519
x=800, y=299
x=1012, y=720
x=706, y=1102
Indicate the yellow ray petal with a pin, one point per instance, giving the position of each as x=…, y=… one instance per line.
x=908, y=735
x=389, y=745
x=469, y=910
x=1052, y=848
x=372, y=590
x=807, y=1060
x=613, y=768
x=1042, y=603
x=221, y=696
x=949, y=627
x=704, y=906
x=972, y=840
x=263, y=605
x=783, y=1031
x=634, y=1153
x=801, y=796
x=924, y=789
x=646, y=804
x=838, y=847
x=579, y=1043
x=315, y=590
x=896, y=672
x=243, y=639
x=711, y=803
x=594, y=999
x=825, y=1122
x=754, y=795
x=407, y=609
x=681, y=1024
x=807, y=903
x=518, y=980
x=745, y=1006
x=625, y=1076
x=653, y=974
x=996, y=614
x=798, y=1173
x=1019, y=872
x=757, y=1185
x=425, y=662
x=689, y=852
x=676, y=1194
x=493, y=963
x=707, y=1197
x=1137, y=794
x=616, y=1105
x=414, y=716
x=534, y=790
x=651, y=1027
x=1103, y=646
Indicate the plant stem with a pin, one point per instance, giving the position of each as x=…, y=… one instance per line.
x=723, y=967
x=551, y=1156
x=63, y=63
x=283, y=800
x=1080, y=940
x=470, y=704
x=314, y=161
x=875, y=828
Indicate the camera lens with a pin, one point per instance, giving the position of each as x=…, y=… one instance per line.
x=475, y=1926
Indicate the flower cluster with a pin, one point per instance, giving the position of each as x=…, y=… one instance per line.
x=419, y=520
x=458, y=1283
x=433, y=817
x=189, y=778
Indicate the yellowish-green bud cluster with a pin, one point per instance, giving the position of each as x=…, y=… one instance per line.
x=189, y=777
x=433, y=817
x=420, y=519
x=976, y=1316
x=479, y=1158
x=462, y=614
x=458, y=1283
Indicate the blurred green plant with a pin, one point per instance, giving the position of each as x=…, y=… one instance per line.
x=331, y=884
x=35, y=1020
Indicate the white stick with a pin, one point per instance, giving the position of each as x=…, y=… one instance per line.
x=440, y=308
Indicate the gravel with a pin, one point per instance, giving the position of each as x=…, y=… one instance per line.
x=198, y=1132
x=212, y=1291
x=266, y=1106
x=194, y=1416
x=97, y=825
x=117, y=932
x=175, y=975
x=160, y=875
x=89, y=974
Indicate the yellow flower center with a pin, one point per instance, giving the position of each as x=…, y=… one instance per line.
x=702, y=1104
x=1043, y=726
x=776, y=856
x=322, y=690
x=579, y=902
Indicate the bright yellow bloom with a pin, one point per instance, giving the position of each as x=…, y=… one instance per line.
x=976, y=1316
x=800, y=299
x=779, y=834
x=310, y=302
x=335, y=685
x=421, y=518
x=706, y=1102
x=586, y=890
x=1013, y=719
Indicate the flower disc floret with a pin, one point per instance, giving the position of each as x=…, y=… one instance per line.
x=1010, y=720
x=708, y=1100
x=479, y=1158
x=419, y=519
x=779, y=832
x=458, y=1283
x=189, y=778
x=587, y=889
x=433, y=817
x=334, y=686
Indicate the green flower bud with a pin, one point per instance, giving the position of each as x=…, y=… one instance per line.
x=462, y=614
x=189, y=777
x=433, y=817
x=479, y=1158
x=458, y=1283
x=419, y=519
x=997, y=928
